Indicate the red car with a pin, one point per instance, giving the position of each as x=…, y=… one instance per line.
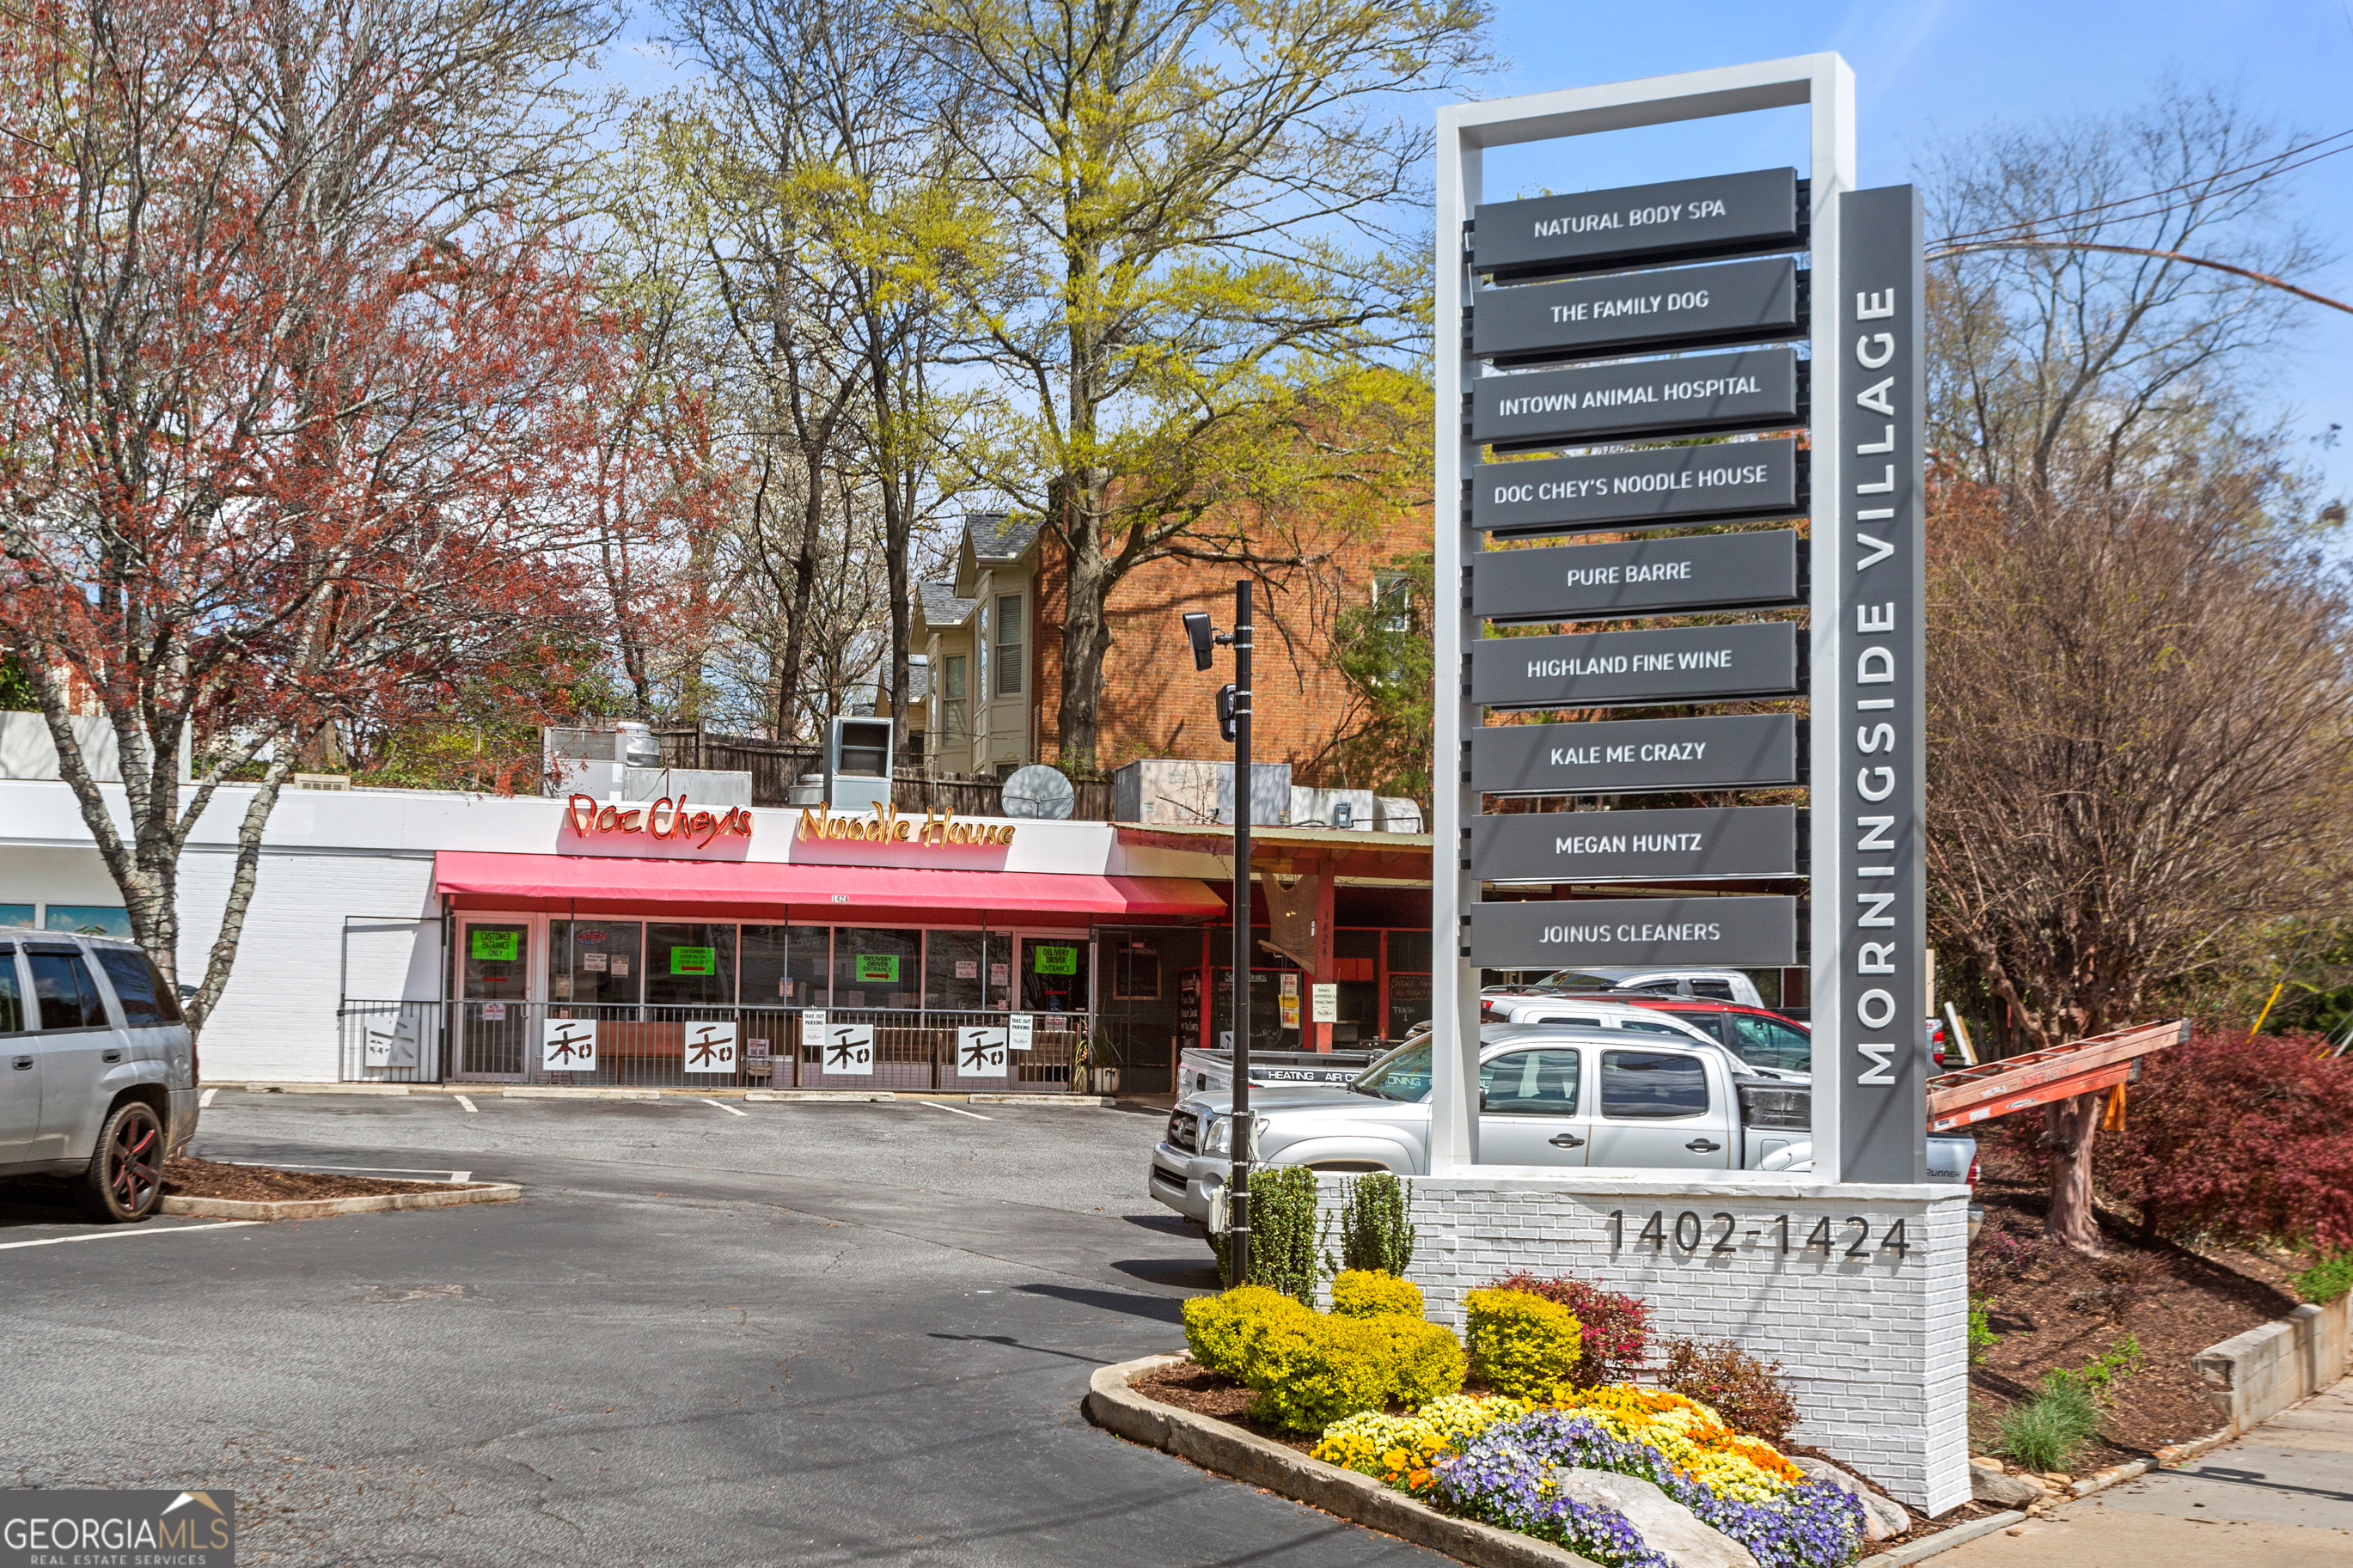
x=1760, y=1038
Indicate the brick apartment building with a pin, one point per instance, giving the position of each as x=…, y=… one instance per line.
x=992, y=635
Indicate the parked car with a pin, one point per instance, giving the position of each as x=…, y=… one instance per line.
x=99, y=1084
x=1710, y=985
x=1765, y=1038
x=1593, y=1013
x=1548, y=1096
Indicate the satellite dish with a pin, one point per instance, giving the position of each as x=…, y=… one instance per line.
x=1039, y=791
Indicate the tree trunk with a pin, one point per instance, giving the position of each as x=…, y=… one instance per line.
x=1086, y=623
x=2068, y=1132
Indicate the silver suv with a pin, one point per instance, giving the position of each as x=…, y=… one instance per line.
x=97, y=1071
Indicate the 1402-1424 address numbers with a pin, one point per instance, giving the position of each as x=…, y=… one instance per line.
x=1849, y=1238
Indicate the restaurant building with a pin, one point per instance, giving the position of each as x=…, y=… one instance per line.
x=428, y=936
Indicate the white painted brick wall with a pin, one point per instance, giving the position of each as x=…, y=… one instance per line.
x=1875, y=1348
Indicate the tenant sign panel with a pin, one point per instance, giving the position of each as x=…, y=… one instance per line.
x=1687, y=307
x=1711, y=934
x=1714, y=215
x=1756, y=389
x=1639, y=577
x=1630, y=756
x=1648, y=488
x=1601, y=670
x=1636, y=846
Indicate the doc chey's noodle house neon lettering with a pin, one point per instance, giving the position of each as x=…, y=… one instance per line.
x=665, y=818
x=672, y=820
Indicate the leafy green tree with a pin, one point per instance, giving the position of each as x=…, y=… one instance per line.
x=1196, y=202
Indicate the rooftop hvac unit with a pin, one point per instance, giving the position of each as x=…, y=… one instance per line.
x=857, y=763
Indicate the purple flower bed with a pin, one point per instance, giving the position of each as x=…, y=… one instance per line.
x=1499, y=1475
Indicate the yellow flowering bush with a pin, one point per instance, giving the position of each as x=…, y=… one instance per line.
x=1691, y=1439
x=1399, y=1450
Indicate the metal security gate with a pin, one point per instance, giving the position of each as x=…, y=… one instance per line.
x=637, y=1047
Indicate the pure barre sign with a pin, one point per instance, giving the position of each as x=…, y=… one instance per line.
x=1674, y=664
x=1643, y=577
x=1687, y=307
x=1633, y=756
x=1648, y=487
x=1715, y=216
x=1636, y=846
x=1753, y=389
x=1555, y=932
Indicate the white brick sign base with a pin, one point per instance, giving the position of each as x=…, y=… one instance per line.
x=1869, y=1321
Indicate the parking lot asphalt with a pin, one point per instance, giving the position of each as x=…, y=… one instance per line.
x=769, y=1333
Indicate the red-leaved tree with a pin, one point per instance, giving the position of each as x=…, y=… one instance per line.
x=2238, y=1139
x=290, y=391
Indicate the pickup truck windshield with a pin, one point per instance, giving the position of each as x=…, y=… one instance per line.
x=1403, y=1074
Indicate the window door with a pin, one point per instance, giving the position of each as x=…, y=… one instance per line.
x=1658, y=1110
x=75, y=1044
x=20, y=1066
x=494, y=989
x=1531, y=1111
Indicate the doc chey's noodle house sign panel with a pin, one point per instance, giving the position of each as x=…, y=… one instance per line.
x=669, y=821
x=1588, y=418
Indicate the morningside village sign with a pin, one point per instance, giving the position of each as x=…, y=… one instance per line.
x=1625, y=387
x=673, y=821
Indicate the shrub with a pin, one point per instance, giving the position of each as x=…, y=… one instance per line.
x=2001, y=1252
x=1221, y=1331
x=1748, y=1394
x=1283, y=1233
x=1982, y=1335
x=1374, y=1234
x=1617, y=1326
x=2238, y=1139
x=2326, y=1280
x=1522, y=1344
x=2044, y=1433
x=1362, y=1293
x=2099, y=1376
x=1310, y=1369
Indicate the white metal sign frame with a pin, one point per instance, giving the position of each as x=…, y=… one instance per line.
x=1824, y=83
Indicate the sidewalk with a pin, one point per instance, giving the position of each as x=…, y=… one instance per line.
x=2281, y=1497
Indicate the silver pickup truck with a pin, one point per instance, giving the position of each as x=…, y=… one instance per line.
x=1549, y=1097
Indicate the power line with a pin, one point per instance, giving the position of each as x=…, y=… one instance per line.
x=2272, y=166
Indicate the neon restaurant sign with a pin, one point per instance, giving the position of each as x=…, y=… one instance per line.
x=887, y=826
x=666, y=819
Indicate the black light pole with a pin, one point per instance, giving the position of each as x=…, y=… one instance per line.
x=1234, y=720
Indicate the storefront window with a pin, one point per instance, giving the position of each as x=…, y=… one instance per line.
x=877, y=968
x=785, y=966
x=1054, y=975
x=90, y=920
x=16, y=914
x=689, y=965
x=1410, y=996
x=955, y=965
x=595, y=962
x=496, y=959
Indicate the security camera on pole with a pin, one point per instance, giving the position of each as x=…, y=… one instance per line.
x=1234, y=723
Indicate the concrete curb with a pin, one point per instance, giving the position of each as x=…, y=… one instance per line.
x=1943, y=1540
x=821, y=1096
x=2167, y=1458
x=1091, y=1101
x=538, y=1091
x=1229, y=1451
x=321, y=1208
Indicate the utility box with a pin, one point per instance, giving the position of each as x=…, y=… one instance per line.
x=857, y=763
x=1396, y=814
x=1349, y=809
x=1183, y=793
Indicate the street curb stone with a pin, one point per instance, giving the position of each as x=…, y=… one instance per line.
x=1228, y=1451
x=1943, y=1540
x=2167, y=1458
x=1091, y=1101
x=320, y=1208
x=823, y=1096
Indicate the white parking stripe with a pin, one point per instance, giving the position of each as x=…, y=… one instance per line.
x=207, y=1098
x=727, y=1108
x=952, y=1111
x=115, y=1235
x=456, y=1176
x=469, y=1105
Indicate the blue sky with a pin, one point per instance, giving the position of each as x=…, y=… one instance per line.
x=1926, y=70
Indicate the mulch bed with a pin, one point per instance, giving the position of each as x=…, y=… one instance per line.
x=1188, y=1385
x=2054, y=1307
x=189, y=1178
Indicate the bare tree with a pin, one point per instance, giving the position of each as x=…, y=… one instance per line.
x=2140, y=751
x=2061, y=359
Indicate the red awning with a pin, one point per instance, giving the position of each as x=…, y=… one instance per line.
x=732, y=888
